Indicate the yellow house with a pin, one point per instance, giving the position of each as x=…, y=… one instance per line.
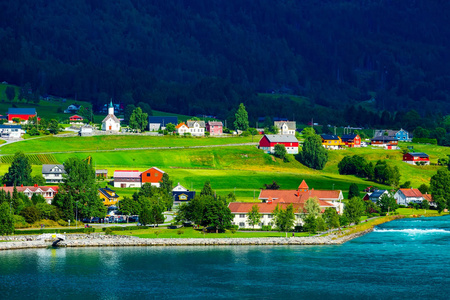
x=108, y=196
x=331, y=141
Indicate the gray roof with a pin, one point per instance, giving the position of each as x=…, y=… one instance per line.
x=190, y=123
x=46, y=169
x=10, y=126
x=377, y=193
x=384, y=138
x=215, y=123
x=278, y=138
x=418, y=154
x=291, y=124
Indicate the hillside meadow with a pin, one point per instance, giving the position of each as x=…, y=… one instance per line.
x=242, y=170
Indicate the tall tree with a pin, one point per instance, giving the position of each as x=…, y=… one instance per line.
x=387, y=203
x=19, y=172
x=6, y=219
x=284, y=218
x=331, y=217
x=207, y=189
x=241, y=118
x=79, y=190
x=353, y=191
x=138, y=119
x=10, y=93
x=354, y=210
x=312, y=207
x=313, y=154
x=253, y=216
x=440, y=186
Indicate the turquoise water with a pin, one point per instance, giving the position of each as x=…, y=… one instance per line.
x=408, y=259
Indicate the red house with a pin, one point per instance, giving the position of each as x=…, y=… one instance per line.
x=351, y=140
x=21, y=113
x=152, y=176
x=214, y=127
x=415, y=158
x=385, y=141
x=268, y=142
x=76, y=118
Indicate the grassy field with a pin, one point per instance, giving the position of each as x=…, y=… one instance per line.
x=189, y=232
x=111, y=142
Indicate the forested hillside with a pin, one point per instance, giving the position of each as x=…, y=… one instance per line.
x=205, y=57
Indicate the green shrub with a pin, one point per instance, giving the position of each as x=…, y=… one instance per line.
x=180, y=231
x=233, y=231
x=266, y=228
x=62, y=222
x=108, y=231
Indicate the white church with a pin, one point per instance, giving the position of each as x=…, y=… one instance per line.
x=111, y=122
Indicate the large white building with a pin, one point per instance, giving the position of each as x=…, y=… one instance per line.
x=11, y=131
x=196, y=128
x=285, y=127
x=111, y=122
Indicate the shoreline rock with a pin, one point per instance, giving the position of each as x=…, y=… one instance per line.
x=97, y=240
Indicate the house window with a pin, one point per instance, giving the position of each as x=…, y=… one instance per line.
x=242, y=216
x=149, y=174
x=241, y=224
x=269, y=216
x=156, y=174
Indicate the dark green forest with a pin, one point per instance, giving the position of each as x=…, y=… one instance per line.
x=205, y=57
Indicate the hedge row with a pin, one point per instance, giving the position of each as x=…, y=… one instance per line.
x=125, y=228
x=63, y=230
x=424, y=141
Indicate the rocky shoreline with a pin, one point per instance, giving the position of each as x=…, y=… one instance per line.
x=98, y=240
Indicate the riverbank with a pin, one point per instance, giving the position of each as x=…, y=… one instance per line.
x=101, y=240
x=29, y=242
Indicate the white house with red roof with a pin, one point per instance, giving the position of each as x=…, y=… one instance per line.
x=76, y=119
x=182, y=128
x=405, y=196
x=268, y=142
x=271, y=198
x=303, y=193
x=48, y=192
x=127, y=178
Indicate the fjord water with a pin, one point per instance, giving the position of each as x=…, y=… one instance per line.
x=408, y=258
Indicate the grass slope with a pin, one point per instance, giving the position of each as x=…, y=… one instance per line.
x=111, y=142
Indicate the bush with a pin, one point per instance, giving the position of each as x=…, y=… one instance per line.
x=233, y=231
x=108, y=231
x=19, y=222
x=266, y=228
x=180, y=231
x=125, y=228
x=298, y=228
x=31, y=214
x=424, y=141
x=61, y=222
x=88, y=230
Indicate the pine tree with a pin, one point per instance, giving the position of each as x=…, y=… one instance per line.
x=6, y=219
x=241, y=121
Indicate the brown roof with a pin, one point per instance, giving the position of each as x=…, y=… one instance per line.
x=411, y=192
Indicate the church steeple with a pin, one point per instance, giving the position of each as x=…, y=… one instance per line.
x=111, y=108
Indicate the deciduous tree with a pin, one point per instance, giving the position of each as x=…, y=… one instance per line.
x=354, y=210
x=138, y=119
x=313, y=154
x=19, y=172
x=253, y=216
x=6, y=219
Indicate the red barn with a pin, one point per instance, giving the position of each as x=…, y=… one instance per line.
x=351, y=140
x=76, y=118
x=268, y=142
x=415, y=158
x=21, y=113
x=152, y=176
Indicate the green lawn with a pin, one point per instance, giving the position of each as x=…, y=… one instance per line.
x=111, y=142
x=189, y=232
x=411, y=211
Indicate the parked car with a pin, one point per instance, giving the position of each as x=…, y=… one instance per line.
x=95, y=220
x=86, y=220
x=133, y=219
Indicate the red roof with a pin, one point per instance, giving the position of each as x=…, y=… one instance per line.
x=245, y=207
x=32, y=189
x=428, y=197
x=303, y=185
x=411, y=192
x=293, y=196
